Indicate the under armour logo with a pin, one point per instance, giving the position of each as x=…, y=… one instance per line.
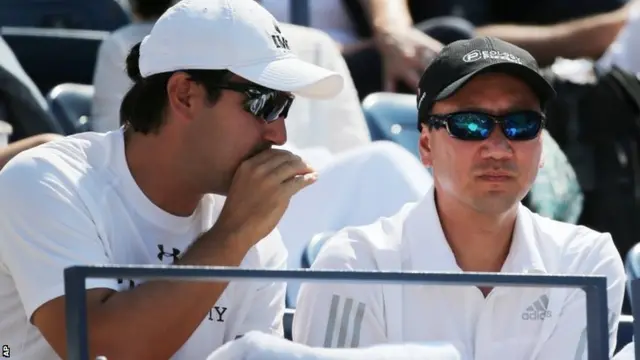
x=132, y=284
x=163, y=254
x=278, y=40
x=216, y=313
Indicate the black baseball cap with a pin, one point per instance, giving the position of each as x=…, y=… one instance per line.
x=461, y=60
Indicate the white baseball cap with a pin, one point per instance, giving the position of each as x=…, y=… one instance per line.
x=235, y=35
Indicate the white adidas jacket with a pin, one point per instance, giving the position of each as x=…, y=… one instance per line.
x=511, y=323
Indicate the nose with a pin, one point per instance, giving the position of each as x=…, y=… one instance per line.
x=497, y=146
x=275, y=132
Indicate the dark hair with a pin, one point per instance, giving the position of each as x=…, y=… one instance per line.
x=143, y=106
x=150, y=9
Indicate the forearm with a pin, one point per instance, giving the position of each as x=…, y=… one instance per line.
x=387, y=14
x=589, y=37
x=155, y=319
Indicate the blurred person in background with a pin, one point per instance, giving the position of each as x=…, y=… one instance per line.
x=110, y=79
x=387, y=44
x=392, y=52
x=609, y=37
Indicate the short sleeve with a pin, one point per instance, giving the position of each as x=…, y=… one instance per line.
x=45, y=229
x=340, y=315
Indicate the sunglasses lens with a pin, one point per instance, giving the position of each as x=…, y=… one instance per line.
x=271, y=106
x=522, y=125
x=470, y=126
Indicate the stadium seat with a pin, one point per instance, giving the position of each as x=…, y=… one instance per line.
x=313, y=248
x=392, y=117
x=287, y=322
x=555, y=193
x=71, y=105
x=632, y=267
x=625, y=331
x=106, y=15
x=55, y=56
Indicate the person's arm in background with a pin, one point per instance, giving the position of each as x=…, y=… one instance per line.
x=588, y=37
x=13, y=149
x=110, y=83
x=569, y=338
x=406, y=51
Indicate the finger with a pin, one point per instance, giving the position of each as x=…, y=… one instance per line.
x=264, y=162
x=266, y=155
x=290, y=168
x=295, y=184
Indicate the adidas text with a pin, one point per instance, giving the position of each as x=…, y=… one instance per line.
x=536, y=315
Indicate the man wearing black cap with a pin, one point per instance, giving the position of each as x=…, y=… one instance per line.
x=481, y=106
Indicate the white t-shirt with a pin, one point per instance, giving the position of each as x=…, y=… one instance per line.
x=74, y=202
x=510, y=323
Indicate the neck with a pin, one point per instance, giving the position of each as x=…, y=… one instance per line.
x=479, y=241
x=155, y=166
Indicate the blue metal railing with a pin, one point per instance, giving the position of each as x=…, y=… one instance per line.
x=635, y=308
x=75, y=277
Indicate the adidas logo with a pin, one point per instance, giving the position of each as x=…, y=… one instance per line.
x=538, y=310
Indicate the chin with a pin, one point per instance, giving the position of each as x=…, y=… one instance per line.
x=496, y=202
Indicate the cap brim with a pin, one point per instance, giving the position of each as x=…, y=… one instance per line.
x=538, y=84
x=293, y=75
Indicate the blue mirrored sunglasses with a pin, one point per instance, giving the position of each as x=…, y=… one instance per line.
x=477, y=126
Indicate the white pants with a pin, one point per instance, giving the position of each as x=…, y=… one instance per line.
x=354, y=188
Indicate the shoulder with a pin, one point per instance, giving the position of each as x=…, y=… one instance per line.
x=58, y=169
x=576, y=248
x=362, y=247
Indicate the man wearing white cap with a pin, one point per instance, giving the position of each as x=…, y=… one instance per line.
x=191, y=179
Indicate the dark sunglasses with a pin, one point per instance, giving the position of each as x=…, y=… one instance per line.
x=476, y=126
x=262, y=102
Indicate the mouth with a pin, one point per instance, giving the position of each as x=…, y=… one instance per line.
x=496, y=177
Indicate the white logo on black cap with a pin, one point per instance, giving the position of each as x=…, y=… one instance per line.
x=472, y=56
x=476, y=55
x=421, y=100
